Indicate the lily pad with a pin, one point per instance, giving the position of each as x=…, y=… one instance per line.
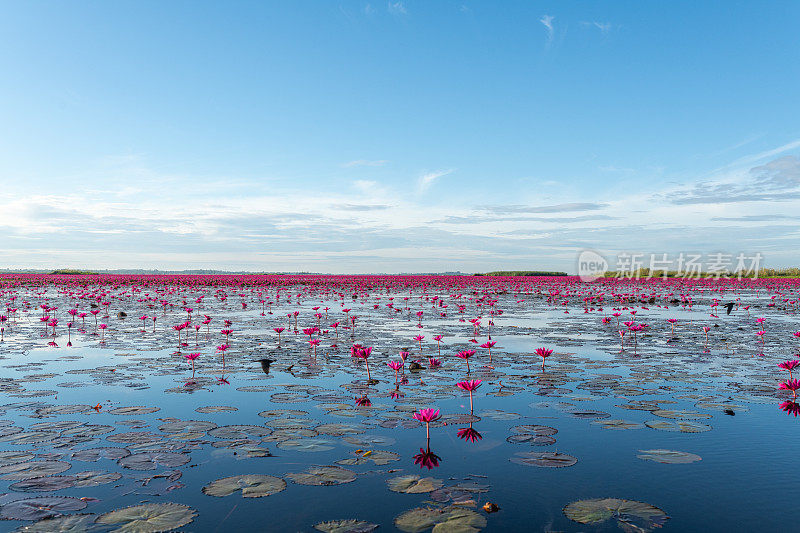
x=678, y=425
x=323, y=476
x=251, y=485
x=544, y=459
x=630, y=515
x=346, y=526
x=448, y=519
x=20, y=471
x=38, y=508
x=672, y=457
x=78, y=523
x=151, y=460
x=149, y=517
x=307, y=445
x=412, y=484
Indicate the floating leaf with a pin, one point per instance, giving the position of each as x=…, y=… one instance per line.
x=323, y=476
x=368, y=441
x=448, y=519
x=346, y=526
x=208, y=409
x=618, y=424
x=630, y=515
x=412, y=484
x=379, y=457
x=134, y=410
x=307, y=445
x=78, y=523
x=38, y=508
x=251, y=485
x=149, y=518
x=151, y=460
x=43, y=484
x=669, y=456
x=20, y=471
x=680, y=414
x=544, y=459
x=678, y=425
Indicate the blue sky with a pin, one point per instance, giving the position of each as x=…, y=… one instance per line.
x=396, y=136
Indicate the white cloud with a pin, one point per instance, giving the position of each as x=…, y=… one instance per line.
x=547, y=20
x=427, y=179
x=397, y=8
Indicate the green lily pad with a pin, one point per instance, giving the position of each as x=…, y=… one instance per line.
x=448, y=519
x=20, y=471
x=251, y=485
x=38, y=508
x=618, y=424
x=630, y=515
x=77, y=523
x=346, y=526
x=323, y=476
x=412, y=484
x=672, y=457
x=379, y=457
x=149, y=517
x=678, y=425
x=544, y=459
x=151, y=460
x=307, y=445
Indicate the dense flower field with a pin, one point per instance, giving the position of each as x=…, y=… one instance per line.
x=418, y=403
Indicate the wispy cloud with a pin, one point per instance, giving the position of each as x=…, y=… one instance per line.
x=547, y=21
x=427, y=179
x=397, y=8
x=557, y=208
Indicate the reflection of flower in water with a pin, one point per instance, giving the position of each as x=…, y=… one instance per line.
x=791, y=408
x=426, y=458
x=469, y=434
x=363, y=402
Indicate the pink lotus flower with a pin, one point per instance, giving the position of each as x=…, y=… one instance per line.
x=789, y=365
x=427, y=416
x=465, y=355
x=544, y=353
x=469, y=386
x=434, y=363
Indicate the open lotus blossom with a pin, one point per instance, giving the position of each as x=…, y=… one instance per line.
x=103, y=330
x=469, y=386
x=789, y=365
x=191, y=357
x=362, y=353
x=419, y=339
x=434, y=363
x=465, y=355
x=396, y=366
x=427, y=416
x=544, y=353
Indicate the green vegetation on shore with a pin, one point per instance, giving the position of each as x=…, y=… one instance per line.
x=792, y=272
